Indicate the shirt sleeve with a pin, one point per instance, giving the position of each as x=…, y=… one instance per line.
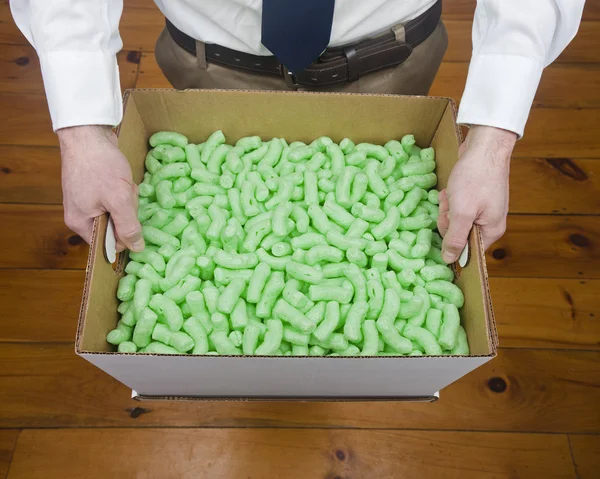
x=77, y=42
x=513, y=41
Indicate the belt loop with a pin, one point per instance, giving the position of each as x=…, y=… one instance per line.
x=200, y=55
x=290, y=79
x=400, y=33
x=353, y=66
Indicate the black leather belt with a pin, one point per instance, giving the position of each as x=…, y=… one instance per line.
x=336, y=64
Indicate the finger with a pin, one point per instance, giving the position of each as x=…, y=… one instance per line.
x=123, y=211
x=443, y=223
x=491, y=234
x=443, y=213
x=81, y=225
x=460, y=224
x=443, y=197
x=119, y=246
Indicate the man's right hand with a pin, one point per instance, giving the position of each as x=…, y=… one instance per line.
x=96, y=178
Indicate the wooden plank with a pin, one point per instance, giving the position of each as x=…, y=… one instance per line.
x=554, y=185
x=547, y=246
x=464, y=9
x=150, y=75
x=561, y=133
x=586, y=455
x=35, y=236
x=530, y=312
x=585, y=46
x=30, y=174
x=460, y=43
x=8, y=440
x=554, y=88
x=46, y=385
x=40, y=305
x=452, y=76
x=20, y=72
x=9, y=33
x=140, y=27
x=145, y=4
x=28, y=122
x=547, y=313
x=293, y=453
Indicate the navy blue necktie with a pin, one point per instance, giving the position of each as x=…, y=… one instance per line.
x=296, y=31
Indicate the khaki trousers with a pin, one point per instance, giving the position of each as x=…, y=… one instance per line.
x=413, y=77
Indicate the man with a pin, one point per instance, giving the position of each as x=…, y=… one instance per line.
x=383, y=46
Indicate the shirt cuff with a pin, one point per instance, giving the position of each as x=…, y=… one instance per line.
x=499, y=91
x=82, y=88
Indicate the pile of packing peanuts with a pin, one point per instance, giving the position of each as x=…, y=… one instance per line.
x=270, y=248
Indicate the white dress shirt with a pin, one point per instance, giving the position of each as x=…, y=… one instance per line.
x=77, y=40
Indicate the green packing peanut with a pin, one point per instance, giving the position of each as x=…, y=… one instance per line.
x=305, y=249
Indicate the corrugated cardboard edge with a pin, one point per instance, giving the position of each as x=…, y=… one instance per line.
x=427, y=399
x=480, y=258
x=490, y=319
x=89, y=269
x=129, y=91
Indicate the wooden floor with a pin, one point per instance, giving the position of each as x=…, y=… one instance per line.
x=534, y=412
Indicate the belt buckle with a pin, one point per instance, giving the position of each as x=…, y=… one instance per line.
x=290, y=79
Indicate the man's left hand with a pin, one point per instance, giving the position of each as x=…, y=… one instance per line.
x=477, y=190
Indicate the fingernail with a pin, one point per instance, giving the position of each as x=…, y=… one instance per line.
x=138, y=246
x=448, y=257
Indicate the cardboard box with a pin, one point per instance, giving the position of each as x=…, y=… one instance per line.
x=294, y=116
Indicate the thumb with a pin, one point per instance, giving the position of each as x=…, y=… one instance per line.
x=443, y=221
x=127, y=226
x=455, y=239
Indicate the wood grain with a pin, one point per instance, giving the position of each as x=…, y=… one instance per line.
x=20, y=72
x=150, y=75
x=554, y=185
x=35, y=236
x=561, y=133
x=30, y=174
x=28, y=121
x=451, y=78
x=8, y=440
x=46, y=385
x=586, y=455
x=292, y=453
x=140, y=27
x=547, y=246
x=144, y=4
x=547, y=313
x=9, y=33
x=42, y=305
